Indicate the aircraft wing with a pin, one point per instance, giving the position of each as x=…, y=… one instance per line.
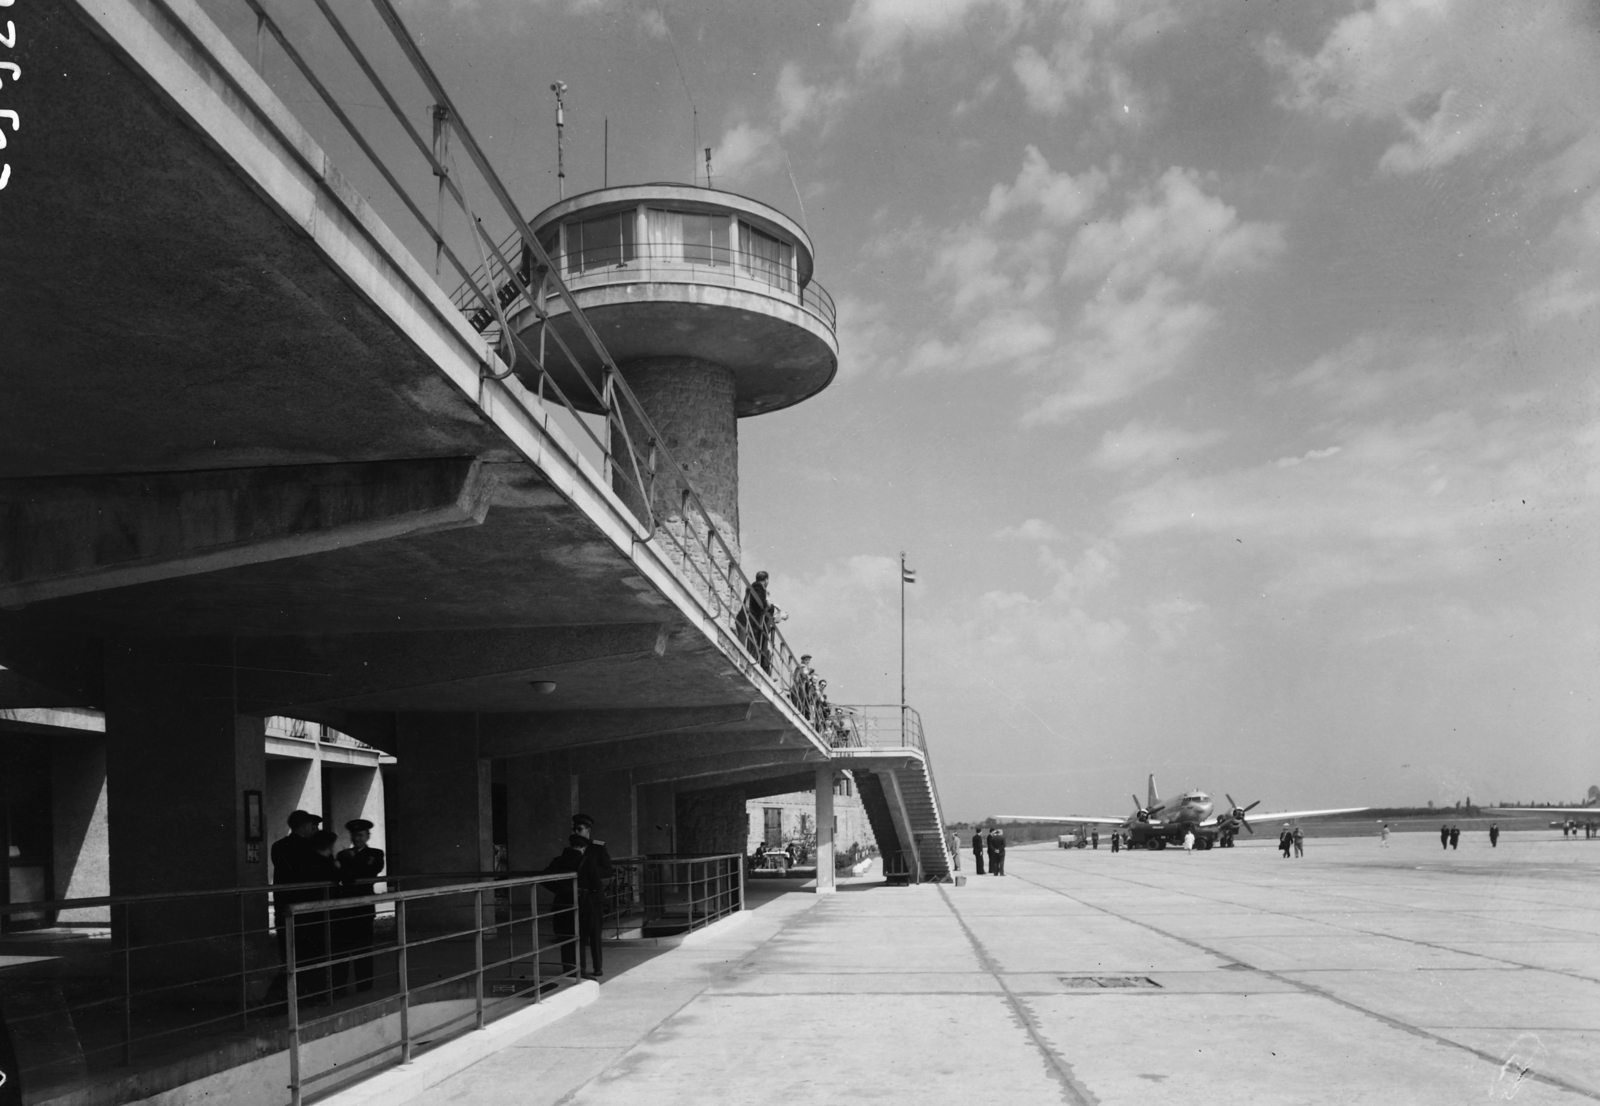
x=1087, y=819
x=1292, y=815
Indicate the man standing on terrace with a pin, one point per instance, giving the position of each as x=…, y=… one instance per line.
x=593, y=871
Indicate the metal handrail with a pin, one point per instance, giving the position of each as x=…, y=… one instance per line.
x=703, y=556
x=312, y=954
x=654, y=260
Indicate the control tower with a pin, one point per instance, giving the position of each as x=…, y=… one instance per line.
x=706, y=302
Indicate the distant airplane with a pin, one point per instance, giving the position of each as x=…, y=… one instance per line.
x=1158, y=824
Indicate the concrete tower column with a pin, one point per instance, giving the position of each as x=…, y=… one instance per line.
x=825, y=882
x=179, y=759
x=691, y=402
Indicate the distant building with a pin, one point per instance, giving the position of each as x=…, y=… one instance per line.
x=778, y=820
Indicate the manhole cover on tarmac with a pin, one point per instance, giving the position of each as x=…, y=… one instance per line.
x=1109, y=982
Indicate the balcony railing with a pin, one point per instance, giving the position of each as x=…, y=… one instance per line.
x=124, y=996
x=498, y=271
x=654, y=261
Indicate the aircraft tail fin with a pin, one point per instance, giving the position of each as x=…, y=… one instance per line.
x=1155, y=799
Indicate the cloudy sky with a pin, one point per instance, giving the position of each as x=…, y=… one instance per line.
x=1225, y=368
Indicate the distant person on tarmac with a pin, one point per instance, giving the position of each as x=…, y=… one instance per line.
x=1094, y=839
x=1285, y=841
x=1299, y=842
x=1116, y=841
x=1455, y=836
x=1444, y=837
x=1383, y=836
x=997, y=852
x=1494, y=835
x=1188, y=841
x=978, y=848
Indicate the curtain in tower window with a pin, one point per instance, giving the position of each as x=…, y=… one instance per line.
x=685, y=236
x=598, y=243
x=664, y=234
x=768, y=258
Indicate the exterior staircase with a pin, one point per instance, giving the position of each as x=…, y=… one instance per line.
x=887, y=753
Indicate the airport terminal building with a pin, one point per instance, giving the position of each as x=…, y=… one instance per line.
x=311, y=503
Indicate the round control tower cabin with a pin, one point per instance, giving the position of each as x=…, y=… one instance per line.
x=705, y=301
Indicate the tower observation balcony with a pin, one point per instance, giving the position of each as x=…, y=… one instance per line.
x=706, y=302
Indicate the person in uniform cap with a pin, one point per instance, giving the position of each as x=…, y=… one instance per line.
x=359, y=866
x=977, y=851
x=294, y=860
x=592, y=874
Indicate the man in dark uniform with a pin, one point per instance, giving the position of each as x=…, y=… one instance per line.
x=1494, y=835
x=294, y=860
x=1094, y=838
x=997, y=852
x=359, y=865
x=1116, y=840
x=592, y=875
x=1455, y=836
x=1444, y=837
x=978, y=850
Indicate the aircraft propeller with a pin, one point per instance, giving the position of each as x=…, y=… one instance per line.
x=1237, y=813
x=1140, y=813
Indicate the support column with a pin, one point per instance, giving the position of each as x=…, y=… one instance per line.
x=825, y=881
x=439, y=804
x=607, y=797
x=538, y=810
x=178, y=761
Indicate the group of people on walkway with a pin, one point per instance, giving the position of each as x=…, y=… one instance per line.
x=306, y=856
x=1291, y=839
x=992, y=845
x=757, y=627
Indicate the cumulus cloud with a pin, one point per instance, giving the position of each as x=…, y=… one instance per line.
x=653, y=23
x=798, y=102
x=744, y=151
x=1420, y=502
x=1139, y=445
x=1456, y=79
x=882, y=29
x=1031, y=529
x=1123, y=310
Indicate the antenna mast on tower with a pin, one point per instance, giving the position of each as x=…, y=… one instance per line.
x=559, y=88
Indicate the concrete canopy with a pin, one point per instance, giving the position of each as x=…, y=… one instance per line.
x=199, y=307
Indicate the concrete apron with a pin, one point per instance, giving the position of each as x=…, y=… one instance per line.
x=1352, y=976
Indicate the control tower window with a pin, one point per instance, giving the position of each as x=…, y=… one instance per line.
x=768, y=258
x=684, y=236
x=600, y=243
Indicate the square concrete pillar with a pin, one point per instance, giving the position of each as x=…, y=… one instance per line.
x=178, y=762
x=656, y=818
x=439, y=806
x=607, y=797
x=538, y=810
x=825, y=882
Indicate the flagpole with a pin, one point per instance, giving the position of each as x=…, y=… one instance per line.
x=902, y=648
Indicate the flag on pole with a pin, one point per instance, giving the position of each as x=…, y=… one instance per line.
x=907, y=575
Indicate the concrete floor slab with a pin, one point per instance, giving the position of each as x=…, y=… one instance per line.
x=1354, y=976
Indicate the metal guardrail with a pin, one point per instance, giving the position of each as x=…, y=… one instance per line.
x=483, y=956
x=661, y=893
x=130, y=982
x=666, y=262
x=634, y=453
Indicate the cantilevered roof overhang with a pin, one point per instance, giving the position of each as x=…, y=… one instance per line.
x=237, y=406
